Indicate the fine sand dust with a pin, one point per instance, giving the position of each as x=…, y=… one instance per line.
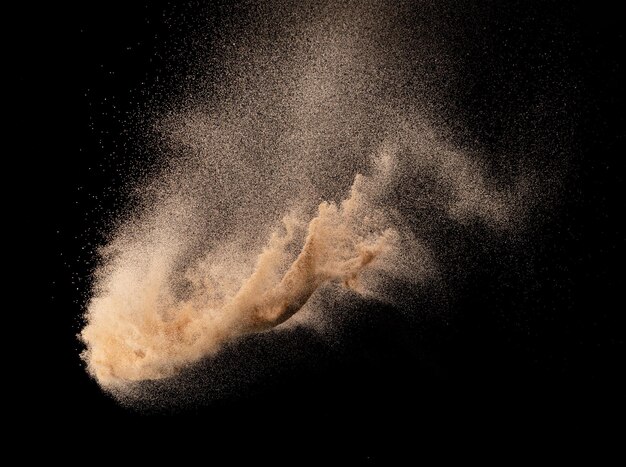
x=308, y=167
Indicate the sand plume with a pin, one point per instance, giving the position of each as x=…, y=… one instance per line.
x=307, y=166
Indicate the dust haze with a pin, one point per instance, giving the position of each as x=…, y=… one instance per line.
x=308, y=168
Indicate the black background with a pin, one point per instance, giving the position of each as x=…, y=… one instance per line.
x=523, y=342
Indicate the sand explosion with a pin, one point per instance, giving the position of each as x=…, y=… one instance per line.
x=311, y=169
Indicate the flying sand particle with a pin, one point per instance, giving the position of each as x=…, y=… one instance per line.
x=233, y=238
